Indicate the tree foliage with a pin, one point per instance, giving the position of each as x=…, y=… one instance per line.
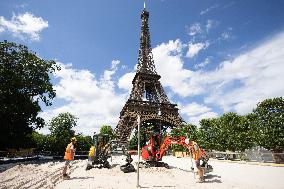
x=269, y=124
x=61, y=131
x=133, y=143
x=24, y=83
x=237, y=131
x=189, y=131
x=228, y=132
x=83, y=142
x=106, y=129
x=209, y=135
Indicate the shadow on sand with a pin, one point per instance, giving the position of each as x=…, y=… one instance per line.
x=157, y=186
x=212, y=178
x=72, y=178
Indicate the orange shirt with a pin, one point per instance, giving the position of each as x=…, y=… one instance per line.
x=69, y=152
x=196, y=151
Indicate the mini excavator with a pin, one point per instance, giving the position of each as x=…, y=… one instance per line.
x=154, y=151
x=102, y=144
x=105, y=148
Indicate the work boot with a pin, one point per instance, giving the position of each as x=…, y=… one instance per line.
x=66, y=177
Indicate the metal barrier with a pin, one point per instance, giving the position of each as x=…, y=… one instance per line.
x=40, y=156
x=248, y=155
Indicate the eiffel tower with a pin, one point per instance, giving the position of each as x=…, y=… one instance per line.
x=148, y=98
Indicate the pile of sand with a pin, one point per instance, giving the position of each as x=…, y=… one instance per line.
x=225, y=175
x=33, y=175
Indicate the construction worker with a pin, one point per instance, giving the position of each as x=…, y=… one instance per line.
x=69, y=156
x=91, y=157
x=197, y=154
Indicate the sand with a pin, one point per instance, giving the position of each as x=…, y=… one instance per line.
x=225, y=175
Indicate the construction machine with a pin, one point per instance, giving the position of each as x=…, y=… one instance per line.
x=102, y=145
x=153, y=152
x=105, y=149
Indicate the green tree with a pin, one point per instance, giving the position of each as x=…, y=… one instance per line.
x=236, y=131
x=210, y=136
x=38, y=141
x=24, y=84
x=106, y=129
x=269, y=124
x=188, y=131
x=83, y=142
x=247, y=135
x=61, y=131
x=134, y=141
x=144, y=137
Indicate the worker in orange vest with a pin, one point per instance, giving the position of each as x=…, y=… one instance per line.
x=197, y=153
x=69, y=156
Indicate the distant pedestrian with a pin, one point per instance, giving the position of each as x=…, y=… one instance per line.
x=69, y=156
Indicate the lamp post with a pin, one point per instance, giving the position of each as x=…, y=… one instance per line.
x=138, y=122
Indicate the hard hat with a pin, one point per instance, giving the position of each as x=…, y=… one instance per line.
x=186, y=141
x=74, y=139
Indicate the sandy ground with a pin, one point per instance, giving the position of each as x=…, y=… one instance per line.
x=225, y=175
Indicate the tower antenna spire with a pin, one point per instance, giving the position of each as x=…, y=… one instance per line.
x=144, y=5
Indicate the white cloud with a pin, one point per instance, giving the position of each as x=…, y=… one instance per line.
x=21, y=6
x=194, y=48
x=195, y=112
x=106, y=80
x=114, y=64
x=225, y=35
x=209, y=9
x=195, y=119
x=235, y=85
x=93, y=101
x=239, y=84
x=194, y=109
x=169, y=63
x=211, y=24
x=202, y=64
x=125, y=82
x=24, y=26
x=195, y=29
x=201, y=29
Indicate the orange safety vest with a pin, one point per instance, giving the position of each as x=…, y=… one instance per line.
x=197, y=152
x=69, y=155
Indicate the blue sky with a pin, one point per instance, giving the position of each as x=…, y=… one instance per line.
x=213, y=56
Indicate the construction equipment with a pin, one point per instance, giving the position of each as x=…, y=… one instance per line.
x=101, y=142
x=153, y=152
x=128, y=167
x=105, y=149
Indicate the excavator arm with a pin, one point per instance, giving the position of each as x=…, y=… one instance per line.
x=153, y=156
x=151, y=153
x=167, y=142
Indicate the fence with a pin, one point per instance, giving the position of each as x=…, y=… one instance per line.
x=257, y=154
x=15, y=156
x=249, y=155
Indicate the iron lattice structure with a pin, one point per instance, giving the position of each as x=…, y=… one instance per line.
x=148, y=98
